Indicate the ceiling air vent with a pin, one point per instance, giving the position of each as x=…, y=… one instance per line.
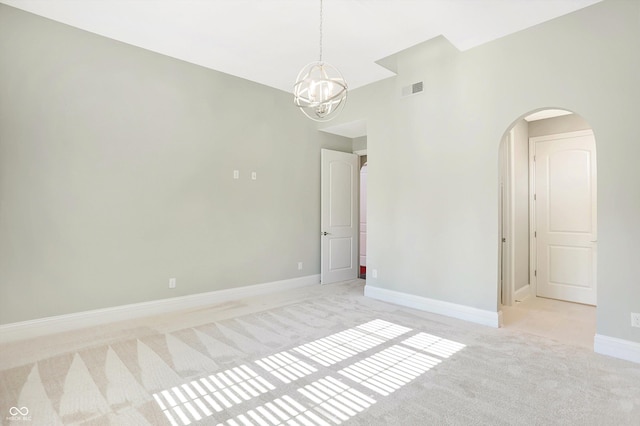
x=412, y=89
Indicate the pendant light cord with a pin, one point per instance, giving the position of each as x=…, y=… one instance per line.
x=320, y=31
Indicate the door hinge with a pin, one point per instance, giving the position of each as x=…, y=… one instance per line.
x=534, y=197
x=535, y=234
x=535, y=272
x=504, y=240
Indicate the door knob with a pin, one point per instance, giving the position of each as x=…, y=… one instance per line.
x=324, y=233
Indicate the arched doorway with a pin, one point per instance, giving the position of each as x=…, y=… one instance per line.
x=548, y=226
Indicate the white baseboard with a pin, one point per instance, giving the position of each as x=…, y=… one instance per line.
x=56, y=324
x=523, y=293
x=617, y=348
x=463, y=312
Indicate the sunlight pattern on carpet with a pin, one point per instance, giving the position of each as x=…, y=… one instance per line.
x=348, y=343
x=283, y=410
x=335, y=400
x=286, y=367
x=327, y=400
x=224, y=390
x=433, y=344
x=390, y=369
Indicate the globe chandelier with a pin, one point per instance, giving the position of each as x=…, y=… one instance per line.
x=320, y=90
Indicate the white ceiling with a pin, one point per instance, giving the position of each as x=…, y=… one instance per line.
x=269, y=41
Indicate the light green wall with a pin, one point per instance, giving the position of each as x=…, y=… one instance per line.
x=433, y=157
x=116, y=169
x=115, y=166
x=360, y=143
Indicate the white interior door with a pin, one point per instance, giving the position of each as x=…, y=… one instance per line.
x=339, y=218
x=566, y=216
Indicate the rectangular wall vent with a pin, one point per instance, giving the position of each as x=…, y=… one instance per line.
x=412, y=89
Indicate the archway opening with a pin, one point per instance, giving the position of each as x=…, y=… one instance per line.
x=548, y=226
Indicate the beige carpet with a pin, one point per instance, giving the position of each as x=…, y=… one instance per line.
x=316, y=356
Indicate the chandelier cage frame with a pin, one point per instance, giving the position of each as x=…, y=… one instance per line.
x=320, y=91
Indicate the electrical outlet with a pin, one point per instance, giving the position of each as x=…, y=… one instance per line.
x=299, y=266
x=374, y=273
x=172, y=283
x=635, y=319
x=236, y=174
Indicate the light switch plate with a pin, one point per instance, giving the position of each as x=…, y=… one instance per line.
x=635, y=319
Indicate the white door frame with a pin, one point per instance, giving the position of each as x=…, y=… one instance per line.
x=533, y=246
x=362, y=246
x=507, y=223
